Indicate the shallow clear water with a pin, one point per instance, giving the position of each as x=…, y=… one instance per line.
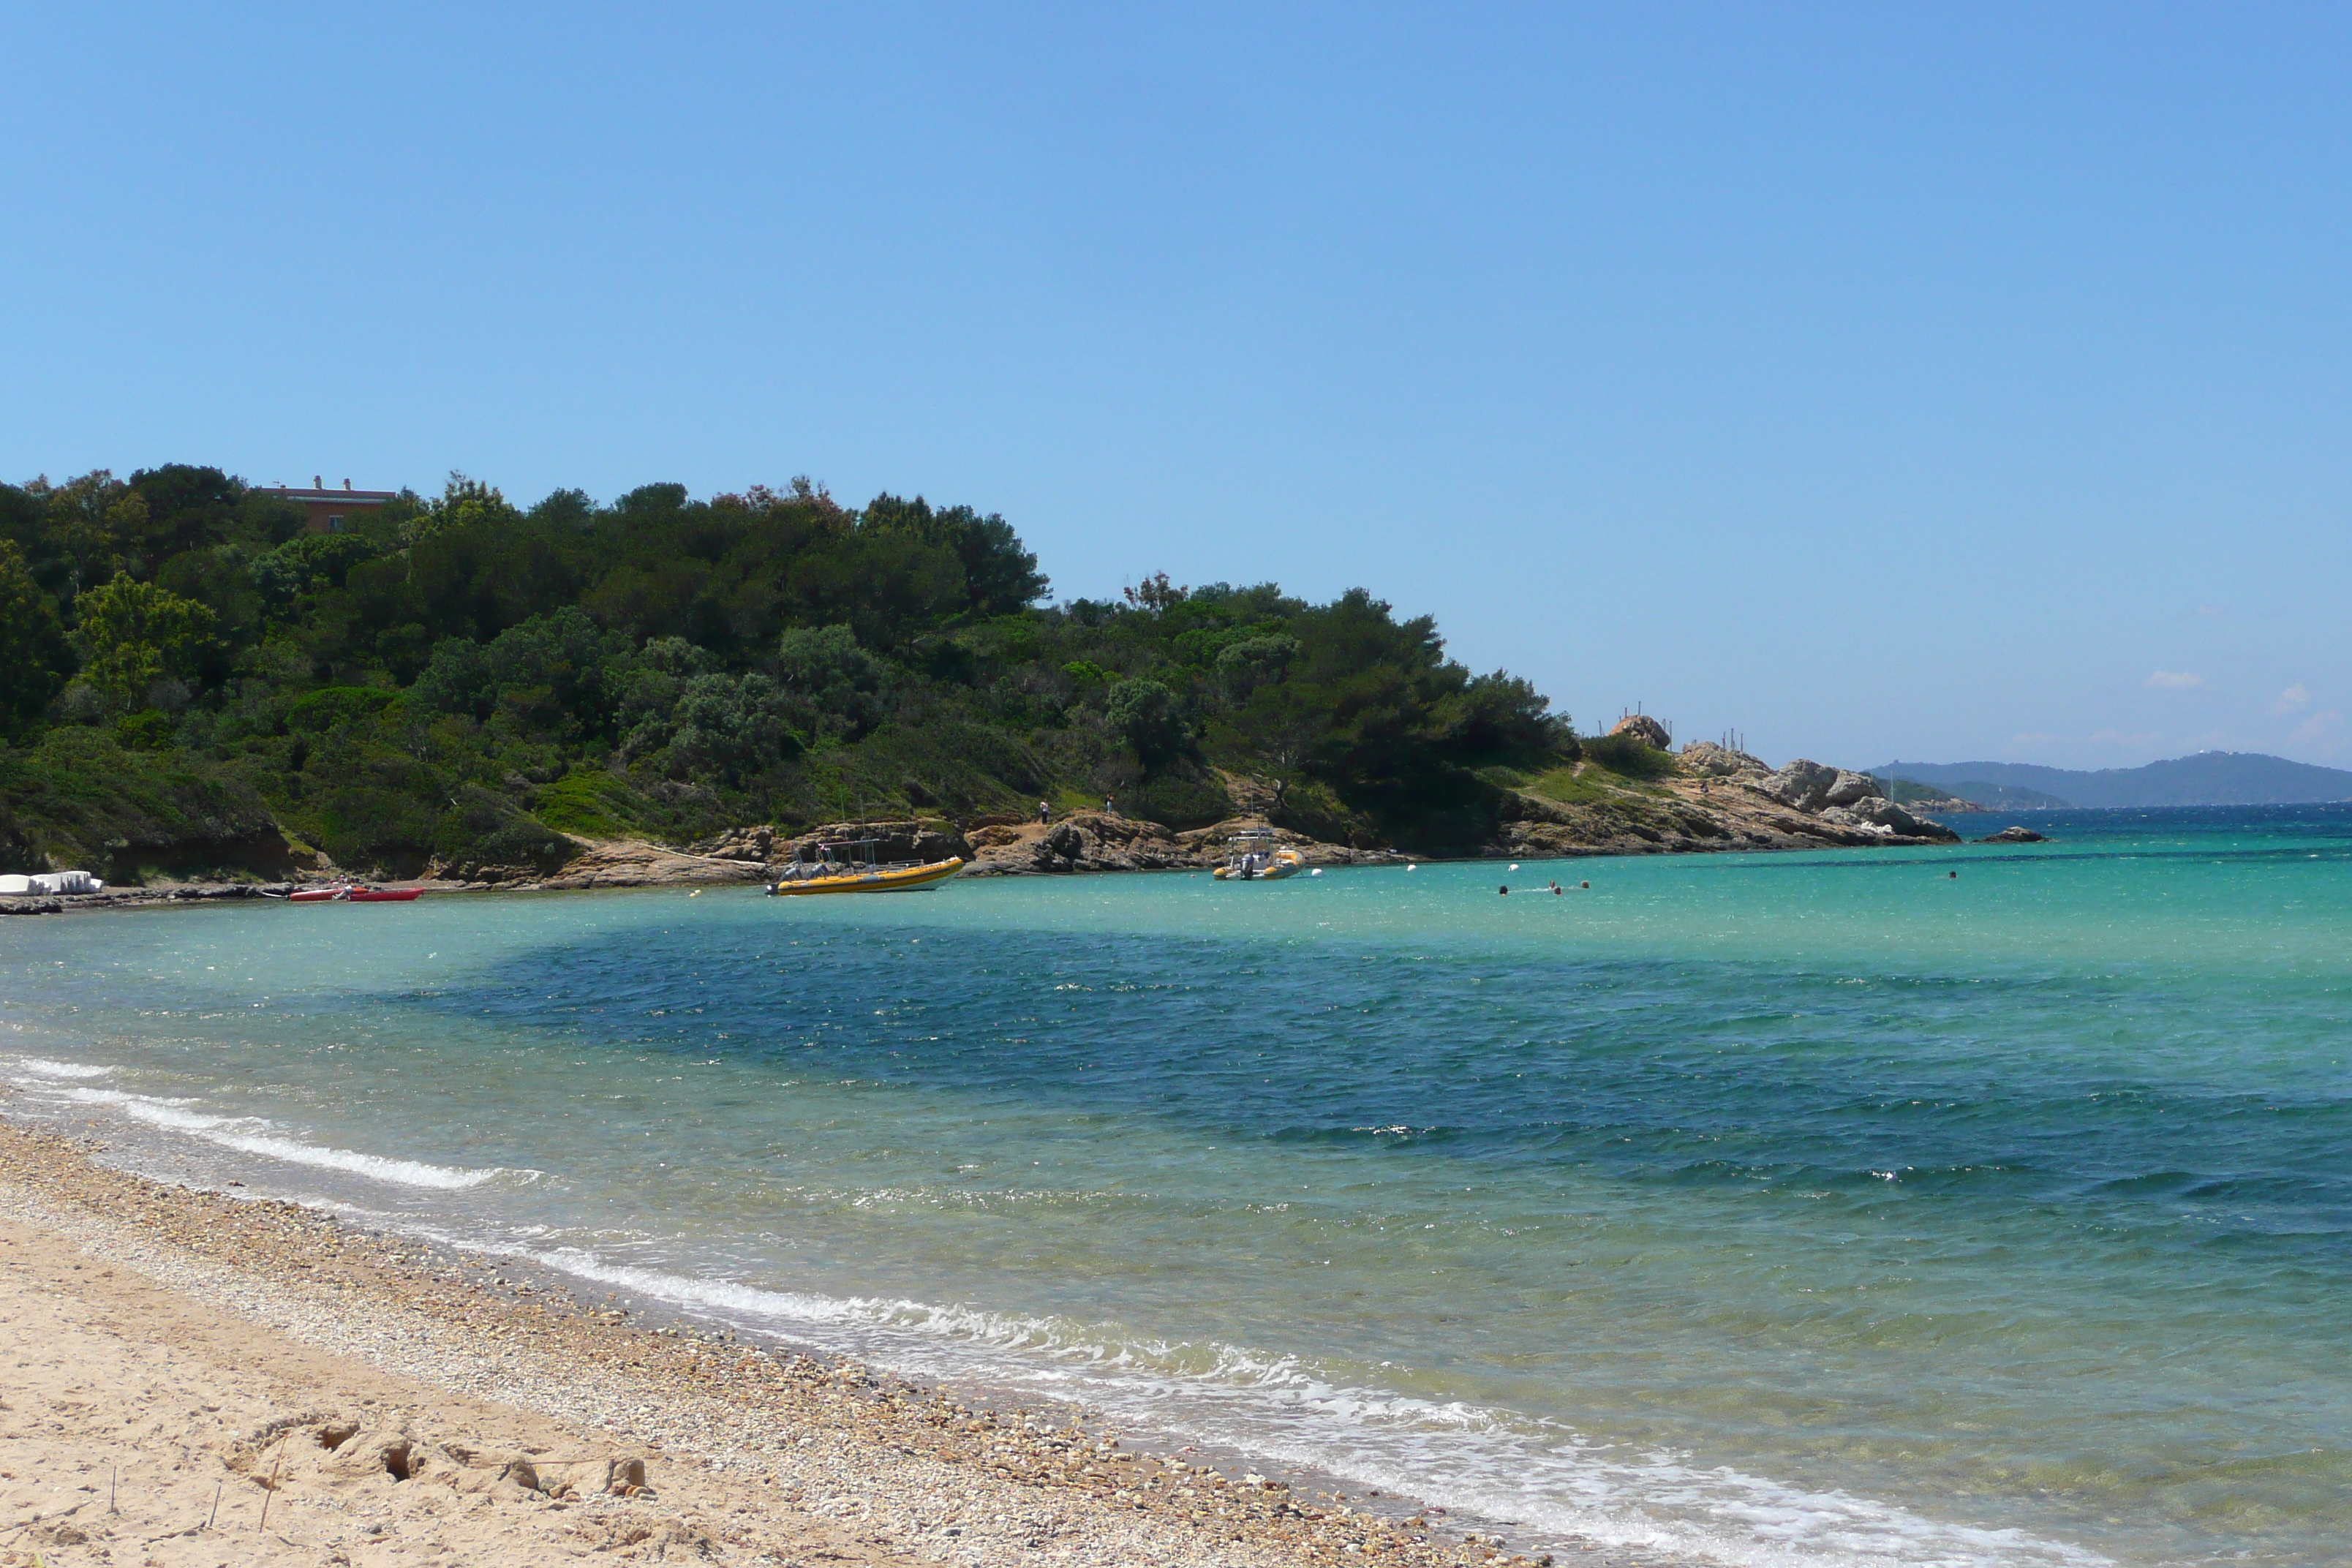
x=1779, y=1209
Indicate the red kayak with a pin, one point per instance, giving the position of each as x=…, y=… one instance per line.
x=354, y=893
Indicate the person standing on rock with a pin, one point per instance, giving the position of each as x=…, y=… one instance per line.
x=1045, y=812
x=1110, y=807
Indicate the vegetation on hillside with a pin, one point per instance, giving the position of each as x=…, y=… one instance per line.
x=462, y=683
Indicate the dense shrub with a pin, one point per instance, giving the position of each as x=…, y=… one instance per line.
x=1627, y=755
x=459, y=679
x=333, y=705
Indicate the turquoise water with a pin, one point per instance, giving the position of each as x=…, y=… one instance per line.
x=1817, y=1209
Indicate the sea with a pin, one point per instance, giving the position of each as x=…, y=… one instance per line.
x=1934, y=1208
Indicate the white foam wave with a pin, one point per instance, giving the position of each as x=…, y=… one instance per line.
x=1543, y=1478
x=42, y=1066
x=1538, y=1474
x=254, y=1135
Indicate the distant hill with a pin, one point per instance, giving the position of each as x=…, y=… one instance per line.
x=2208, y=778
x=1905, y=790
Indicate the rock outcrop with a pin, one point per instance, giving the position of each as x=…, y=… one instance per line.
x=1716, y=799
x=1883, y=816
x=1803, y=784
x=2014, y=836
x=1644, y=728
x=1099, y=841
x=1704, y=759
x=922, y=839
x=1084, y=841
x=633, y=863
x=1848, y=789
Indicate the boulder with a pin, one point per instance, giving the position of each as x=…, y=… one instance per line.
x=1848, y=788
x=1803, y=784
x=1644, y=728
x=2014, y=836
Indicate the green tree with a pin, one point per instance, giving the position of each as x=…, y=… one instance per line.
x=34, y=658
x=840, y=682
x=93, y=522
x=133, y=635
x=1146, y=712
x=730, y=729
x=1000, y=577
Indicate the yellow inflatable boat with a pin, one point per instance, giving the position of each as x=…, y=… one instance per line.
x=853, y=869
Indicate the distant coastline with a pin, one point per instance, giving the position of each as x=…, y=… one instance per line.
x=2205, y=778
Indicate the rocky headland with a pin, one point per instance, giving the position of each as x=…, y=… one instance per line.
x=1703, y=797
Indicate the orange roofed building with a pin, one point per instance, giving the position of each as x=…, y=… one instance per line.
x=330, y=511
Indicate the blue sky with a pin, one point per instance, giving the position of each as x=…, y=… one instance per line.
x=1940, y=383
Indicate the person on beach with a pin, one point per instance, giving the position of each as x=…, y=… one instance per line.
x=1045, y=811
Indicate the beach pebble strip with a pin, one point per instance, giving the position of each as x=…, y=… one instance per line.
x=910, y=1468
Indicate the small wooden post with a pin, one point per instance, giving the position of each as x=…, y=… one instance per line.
x=270, y=1491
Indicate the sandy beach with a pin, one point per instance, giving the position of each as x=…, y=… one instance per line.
x=180, y=1363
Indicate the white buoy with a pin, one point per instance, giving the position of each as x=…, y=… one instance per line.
x=1316, y=872
x=1411, y=867
x=1515, y=865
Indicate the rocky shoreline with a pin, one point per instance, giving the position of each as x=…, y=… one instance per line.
x=1705, y=799
x=1720, y=800
x=655, y=1439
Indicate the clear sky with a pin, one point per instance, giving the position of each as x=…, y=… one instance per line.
x=1942, y=383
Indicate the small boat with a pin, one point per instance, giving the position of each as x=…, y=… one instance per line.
x=353, y=893
x=1255, y=855
x=852, y=867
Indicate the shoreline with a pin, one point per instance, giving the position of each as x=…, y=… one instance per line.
x=1591, y=814
x=749, y=1451
x=720, y=871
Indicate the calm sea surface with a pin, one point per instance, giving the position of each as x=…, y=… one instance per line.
x=1800, y=1209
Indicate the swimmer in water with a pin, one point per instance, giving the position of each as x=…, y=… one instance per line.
x=1504, y=889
